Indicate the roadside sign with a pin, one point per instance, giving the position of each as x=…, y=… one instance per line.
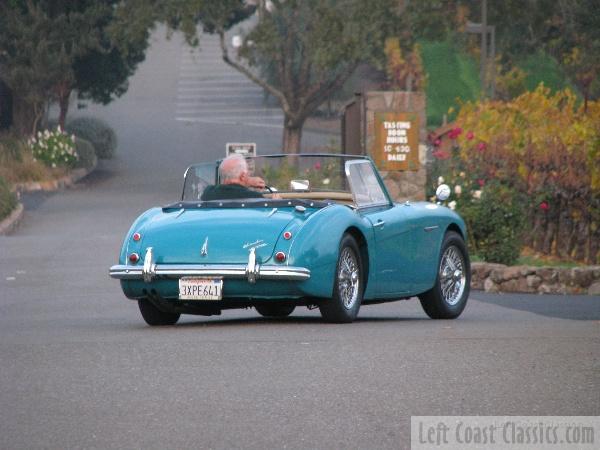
x=240, y=148
x=396, y=141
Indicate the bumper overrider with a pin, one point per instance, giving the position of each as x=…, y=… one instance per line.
x=252, y=271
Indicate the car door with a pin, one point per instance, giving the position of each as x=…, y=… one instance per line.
x=392, y=231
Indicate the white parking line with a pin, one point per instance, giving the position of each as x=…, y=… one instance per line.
x=227, y=122
x=227, y=110
x=224, y=89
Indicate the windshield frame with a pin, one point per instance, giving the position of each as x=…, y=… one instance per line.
x=345, y=160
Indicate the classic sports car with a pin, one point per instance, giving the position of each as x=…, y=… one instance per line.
x=325, y=234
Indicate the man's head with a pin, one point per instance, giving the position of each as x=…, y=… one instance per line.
x=233, y=169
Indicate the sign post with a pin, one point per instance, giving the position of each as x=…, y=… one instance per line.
x=240, y=148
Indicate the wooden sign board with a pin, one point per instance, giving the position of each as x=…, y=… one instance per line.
x=396, y=141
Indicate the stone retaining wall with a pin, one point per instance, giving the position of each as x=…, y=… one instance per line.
x=542, y=280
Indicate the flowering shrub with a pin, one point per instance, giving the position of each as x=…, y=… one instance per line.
x=54, y=148
x=542, y=146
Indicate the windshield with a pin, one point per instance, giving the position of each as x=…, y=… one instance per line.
x=319, y=177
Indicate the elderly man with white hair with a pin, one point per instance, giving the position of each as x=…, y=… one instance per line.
x=235, y=181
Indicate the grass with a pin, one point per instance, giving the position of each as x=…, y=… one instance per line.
x=18, y=166
x=453, y=76
x=529, y=258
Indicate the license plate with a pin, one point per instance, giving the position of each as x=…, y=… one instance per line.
x=200, y=288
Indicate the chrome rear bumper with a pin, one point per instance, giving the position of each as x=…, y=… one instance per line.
x=252, y=271
x=210, y=270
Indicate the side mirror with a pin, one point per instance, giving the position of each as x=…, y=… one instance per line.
x=442, y=192
x=300, y=185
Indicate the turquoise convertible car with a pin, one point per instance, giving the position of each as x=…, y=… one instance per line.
x=324, y=234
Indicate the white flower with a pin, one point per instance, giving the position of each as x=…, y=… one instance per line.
x=326, y=181
x=462, y=174
x=53, y=165
x=477, y=194
x=73, y=137
x=452, y=205
x=58, y=129
x=46, y=134
x=457, y=189
x=440, y=180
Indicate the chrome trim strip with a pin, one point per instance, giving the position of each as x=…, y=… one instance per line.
x=434, y=227
x=268, y=272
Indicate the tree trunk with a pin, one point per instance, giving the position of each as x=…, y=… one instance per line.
x=292, y=136
x=23, y=115
x=5, y=106
x=63, y=102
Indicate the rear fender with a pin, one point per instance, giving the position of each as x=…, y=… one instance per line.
x=316, y=246
x=129, y=245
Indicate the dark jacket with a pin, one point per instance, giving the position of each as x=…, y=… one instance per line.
x=228, y=191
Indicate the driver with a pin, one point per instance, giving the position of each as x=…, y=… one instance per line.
x=235, y=181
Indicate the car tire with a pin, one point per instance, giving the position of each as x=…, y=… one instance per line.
x=348, y=286
x=154, y=316
x=275, y=310
x=448, y=297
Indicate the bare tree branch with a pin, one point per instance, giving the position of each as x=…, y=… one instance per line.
x=244, y=70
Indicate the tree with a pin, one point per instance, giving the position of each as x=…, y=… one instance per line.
x=315, y=45
x=577, y=46
x=48, y=48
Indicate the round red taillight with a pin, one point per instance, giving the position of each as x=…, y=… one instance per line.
x=287, y=235
x=137, y=236
x=134, y=257
x=280, y=256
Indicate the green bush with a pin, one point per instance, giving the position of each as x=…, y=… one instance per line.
x=96, y=131
x=8, y=201
x=495, y=223
x=86, y=152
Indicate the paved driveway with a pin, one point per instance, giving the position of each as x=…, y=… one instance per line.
x=80, y=369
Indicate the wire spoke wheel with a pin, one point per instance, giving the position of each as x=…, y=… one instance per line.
x=348, y=285
x=452, y=275
x=349, y=279
x=448, y=297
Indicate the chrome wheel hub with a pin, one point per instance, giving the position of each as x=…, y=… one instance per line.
x=452, y=275
x=348, y=278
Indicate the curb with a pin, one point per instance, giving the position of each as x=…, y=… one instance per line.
x=55, y=185
x=12, y=221
x=535, y=280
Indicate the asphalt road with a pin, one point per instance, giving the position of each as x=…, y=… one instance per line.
x=80, y=369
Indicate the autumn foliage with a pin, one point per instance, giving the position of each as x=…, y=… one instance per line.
x=542, y=145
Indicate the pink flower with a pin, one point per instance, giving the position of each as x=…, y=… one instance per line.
x=441, y=154
x=481, y=182
x=437, y=142
x=454, y=133
x=481, y=147
x=544, y=206
x=317, y=165
x=470, y=135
